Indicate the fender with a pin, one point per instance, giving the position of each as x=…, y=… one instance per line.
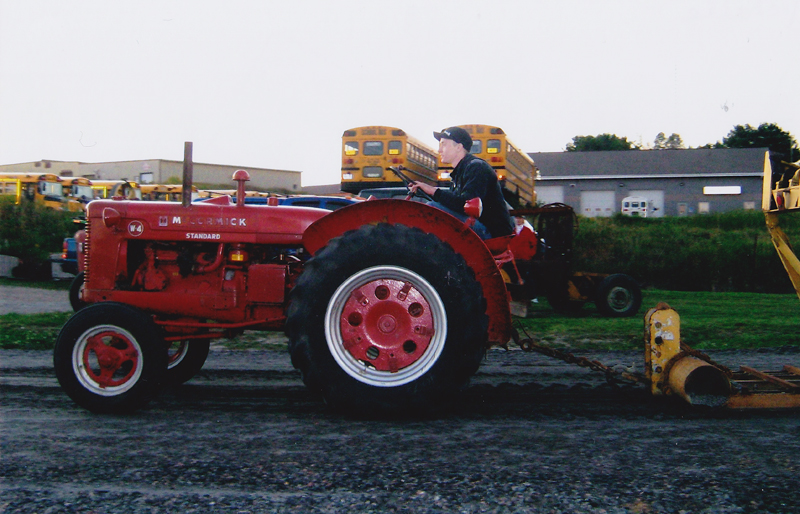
x=433, y=221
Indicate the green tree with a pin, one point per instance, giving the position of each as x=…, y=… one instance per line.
x=674, y=142
x=660, y=142
x=782, y=146
x=31, y=232
x=602, y=142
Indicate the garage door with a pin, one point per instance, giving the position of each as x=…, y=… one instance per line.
x=656, y=198
x=549, y=194
x=597, y=204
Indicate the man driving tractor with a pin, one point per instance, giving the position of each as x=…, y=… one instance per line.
x=471, y=178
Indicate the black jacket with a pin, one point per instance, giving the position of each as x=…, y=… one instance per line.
x=474, y=177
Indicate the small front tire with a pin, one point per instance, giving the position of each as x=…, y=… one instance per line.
x=185, y=359
x=76, y=292
x=110, y=358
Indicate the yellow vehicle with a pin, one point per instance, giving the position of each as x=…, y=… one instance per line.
x=77, y=193
x=515, y=169
x=45, y=188
x=116, y=188
x=166, y=192
x=780, y=195
x=368, y=152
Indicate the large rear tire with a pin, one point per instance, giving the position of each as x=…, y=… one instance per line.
x=387, y=319
x=110, y=358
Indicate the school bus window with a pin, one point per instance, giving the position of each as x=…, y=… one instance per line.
x=373, y=147
x=395, y=147
x=493, y=146
x=51, y=188
x=351, y=148
x=477, y=146
x=372, y=172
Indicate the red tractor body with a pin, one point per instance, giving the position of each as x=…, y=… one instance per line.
x=387, y=304
x=211, y=260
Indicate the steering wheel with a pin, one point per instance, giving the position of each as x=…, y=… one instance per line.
x=408, y=182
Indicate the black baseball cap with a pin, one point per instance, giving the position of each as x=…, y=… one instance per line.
x=457, y=134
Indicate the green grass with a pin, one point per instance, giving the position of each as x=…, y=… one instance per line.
x=31, y=331
x=708, y=321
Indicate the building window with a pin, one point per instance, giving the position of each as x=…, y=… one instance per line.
x=703, y=208
x=722, y=190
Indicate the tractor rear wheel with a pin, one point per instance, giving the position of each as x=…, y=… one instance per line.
x=387, y=319
x=110, y=358
x=618, y=296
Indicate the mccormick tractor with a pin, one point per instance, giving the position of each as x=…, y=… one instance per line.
x=388, y=305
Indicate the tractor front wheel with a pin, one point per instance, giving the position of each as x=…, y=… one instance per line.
x=185, y=359
x=110, y=358
x=76, y=292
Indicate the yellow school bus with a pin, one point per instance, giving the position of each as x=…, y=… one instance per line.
x=515, y=170
x=116, y=188
x=45, y=188
x=166, y=192
x=368, y=152
x=77, y=193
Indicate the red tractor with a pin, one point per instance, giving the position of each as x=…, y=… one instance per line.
x=387, y=304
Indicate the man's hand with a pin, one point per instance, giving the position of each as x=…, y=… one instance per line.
x=427, y=189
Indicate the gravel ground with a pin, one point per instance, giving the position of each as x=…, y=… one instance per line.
x=530, y=434
x=29, y=300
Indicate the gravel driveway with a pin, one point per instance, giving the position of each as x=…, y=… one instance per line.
x=29, y=300
x=530, y=434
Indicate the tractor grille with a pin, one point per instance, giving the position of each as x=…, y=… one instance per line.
x=86, y=255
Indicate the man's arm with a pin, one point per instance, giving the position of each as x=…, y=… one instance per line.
x=474, y=186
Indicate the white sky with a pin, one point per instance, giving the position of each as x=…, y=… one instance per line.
x=273, y=84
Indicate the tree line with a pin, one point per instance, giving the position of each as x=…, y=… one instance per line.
x=781, y=144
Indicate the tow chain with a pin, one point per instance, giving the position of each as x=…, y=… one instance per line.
x=612, y=375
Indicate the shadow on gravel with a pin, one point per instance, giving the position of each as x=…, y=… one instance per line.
x=529, y=401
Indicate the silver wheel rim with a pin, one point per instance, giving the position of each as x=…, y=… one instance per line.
x=361, y=370
x=87, y=377
x=176, y=357
x=619, y=298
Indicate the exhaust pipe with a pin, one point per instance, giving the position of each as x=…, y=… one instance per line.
x=188, y=171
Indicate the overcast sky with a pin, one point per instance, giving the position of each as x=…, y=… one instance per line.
x=273, y=84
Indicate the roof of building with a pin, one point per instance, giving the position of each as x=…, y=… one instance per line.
x=701, y=162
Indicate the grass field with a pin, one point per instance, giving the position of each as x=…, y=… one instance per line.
x=708, y=321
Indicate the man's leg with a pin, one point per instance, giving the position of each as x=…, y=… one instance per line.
x=479, y=228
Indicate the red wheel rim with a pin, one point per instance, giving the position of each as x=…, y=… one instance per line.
x=387, y=323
